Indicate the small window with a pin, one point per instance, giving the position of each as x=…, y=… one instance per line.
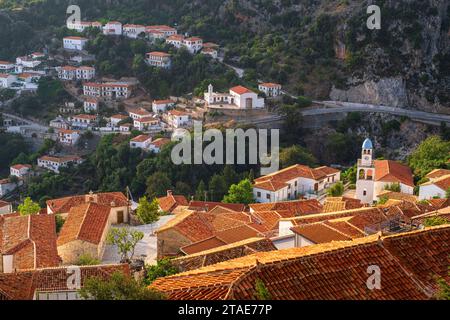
x=268, y=196
x=258, y=194
x=365, y=192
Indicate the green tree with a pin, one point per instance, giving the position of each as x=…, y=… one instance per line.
x=118, y=287
x=59, y=223
x=262, y=293
x=444, y=290
x=217, y=187
x=163, y=268
x=87, y=260
x=336, y=190
x=126, y=240
x=435, y=221
x=200, y=192
x=296, y=155
x=158, y=184
x=147, y=212
x=447, y=193
x=431, y=154
x=28, y=207
x=240, y=193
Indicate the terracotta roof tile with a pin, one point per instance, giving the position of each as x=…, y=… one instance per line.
x=170, y=202
x=333, y=271
x=85, y=222
x=393, y=172
x=63, y=205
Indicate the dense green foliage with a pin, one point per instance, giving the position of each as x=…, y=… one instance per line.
x=433, y=153
x=11, y=145
x=337, y=190
x=28, y=207
x=87, y=260
x=163, y=268
x=240, y=193
x=118, y=287
x=147, y=212
x=126, y=240
x=435, y=221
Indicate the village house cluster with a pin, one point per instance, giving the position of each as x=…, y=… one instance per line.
x=24, y=73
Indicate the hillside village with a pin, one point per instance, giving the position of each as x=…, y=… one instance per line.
x=304, y=232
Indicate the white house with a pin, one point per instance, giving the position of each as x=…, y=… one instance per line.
x=139, y=113
x=5, y=207
x=160, y=31
x=211, y=52
x=143, y=141
x=162, y=105
x=147, y=123
x=55, y=163
x=27, y=62
x=292, y=182
x=76, y=73
x=115, y=119
x=84, y=120
x=437, y=186
x=157, y=144
x=270, y=89
x=68, y=137
x=6, y=80
x=193, y=44
x=158, y=59
x=6, y=66
x=20, y=170
x=90, y=105
x=6, y=186
x=80, y=26
x=133, y=30
x=239, y=97
x=113, y=28
x=178, y=119
x=74, y=43
x=175, y=40
x=109, y=90
x=374, y=176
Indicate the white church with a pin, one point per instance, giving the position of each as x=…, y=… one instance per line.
x=239, y=97
x=373, y=176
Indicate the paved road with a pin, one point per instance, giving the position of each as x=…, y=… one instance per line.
x=333, y=107
x=30, y=124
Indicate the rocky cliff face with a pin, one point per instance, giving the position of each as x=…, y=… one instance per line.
x=405, y=64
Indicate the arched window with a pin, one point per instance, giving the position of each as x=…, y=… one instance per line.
x=369, y=175
x=365, y=192
x=362, y=174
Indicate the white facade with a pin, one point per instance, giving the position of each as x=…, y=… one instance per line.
x=56, y=163
x=113, y=28
x=6, y=186
x=192, y=44
x=27, y=62
x=74, y=43
x=80, y=26
x=20, y=170
x=133, y=30
x=110, y=90
x=147, y=123
x=239, y=97
x=90, y=105
x=6, y=66
x=178, y=119
x=270, y=89
x=6, y=80
x=159, y=106
x=158, y=59
x=76, y=73
x=68, y=137
x=142, y=141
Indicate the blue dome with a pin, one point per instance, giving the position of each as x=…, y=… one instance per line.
x=367, y=144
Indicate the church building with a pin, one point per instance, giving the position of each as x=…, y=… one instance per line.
x=374, y=176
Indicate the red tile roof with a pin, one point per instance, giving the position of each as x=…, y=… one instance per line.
x=409, y=262
x=160, y=142
x=86, y=222
x=63, y=205
x=141, y=138
x=241, y=90
x=438, y=173
x=393, y=172
x=170, y=202
x=270, y=85
x=24, y=285
x=208, y=206
x=319, y=233
x=297, y=207
x=35, y=234
x=290, y=173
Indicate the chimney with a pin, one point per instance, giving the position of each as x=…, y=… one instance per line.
x=169, y=193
